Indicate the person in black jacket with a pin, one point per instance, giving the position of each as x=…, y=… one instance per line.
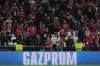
x=69, y=42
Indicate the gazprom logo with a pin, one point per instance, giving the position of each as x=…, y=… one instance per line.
x=51, y=58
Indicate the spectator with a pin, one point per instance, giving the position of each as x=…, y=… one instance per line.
x=79, y=46
x=19, y=47
x=87, y=33
x=80, y=34
x=87, y=44
x=29, y=40
x=56, y=24
x=70, y=42
x=98, y=25
x=19, y=32
x=95, y=37
x=22, y=14
x=65, y=26
x=62, y=34
x=14, y=9
x=32, y=31
x=38, y=42
x=25, y=36
x=48, y=42
x=75, y=25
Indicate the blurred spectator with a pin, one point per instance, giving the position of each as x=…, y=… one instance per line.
x=95, y=37
x=32, y=31
x=81, y=34
x=62, y=34
x=19, y=32
x=14, y=9
x=48, y=42
x=22, y=14
x=29, y=40
x=19, y=47
x=56, y=24
x=98, y=25
x=70, y=42
x=87, y=32
x=65, y=26
x=25, y=36
x=61, y=42
x=38, y=42
x=79, y=46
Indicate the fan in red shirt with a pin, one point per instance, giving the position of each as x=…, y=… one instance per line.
x=87, y=43
x=93, y=26
x=32, y=31
x=32, y=16
x=62, y=34
x=22, y=14
x=42, y=29
x=15, y=25
x=87, y=32
x=65, y=26
x=48, y=42
x=3, y=26
x=56, y=24
x=95, y=38
x=19, y=31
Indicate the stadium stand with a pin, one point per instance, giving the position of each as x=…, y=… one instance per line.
x=47, y=24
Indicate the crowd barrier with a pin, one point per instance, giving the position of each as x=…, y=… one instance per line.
x=31, y=48
x=49, y=58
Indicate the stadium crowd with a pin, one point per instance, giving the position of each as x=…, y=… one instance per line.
x=34, y=21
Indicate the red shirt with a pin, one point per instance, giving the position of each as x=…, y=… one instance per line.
x=42, y=29
x=87, y=42
x=62, y=34
x=3, y=27
x=95, y=37
x=32, y=16
x=93, y=27
x=18, y=32
x=48, y=42
x=65, y=27
x=22, y=14
x=87, y=33
x=32, y=31
x=15, y=25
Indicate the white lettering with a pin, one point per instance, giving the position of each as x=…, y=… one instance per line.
x=54, y=58
x=33, y=58
x=40, y=58
x=25, y=59
x=71, y=60
x=62, y=58
x=46, y=57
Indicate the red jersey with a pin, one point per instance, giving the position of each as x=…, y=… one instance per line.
x=87, y=33
x=18, y=32
x=93, y=27
x=22, y=14
x=62, y=34
x=32, y=31
x=87, y=42
x=65, y=27
x=48, y=42
x=32, y=16
x=42, y=29
x=95, y=37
